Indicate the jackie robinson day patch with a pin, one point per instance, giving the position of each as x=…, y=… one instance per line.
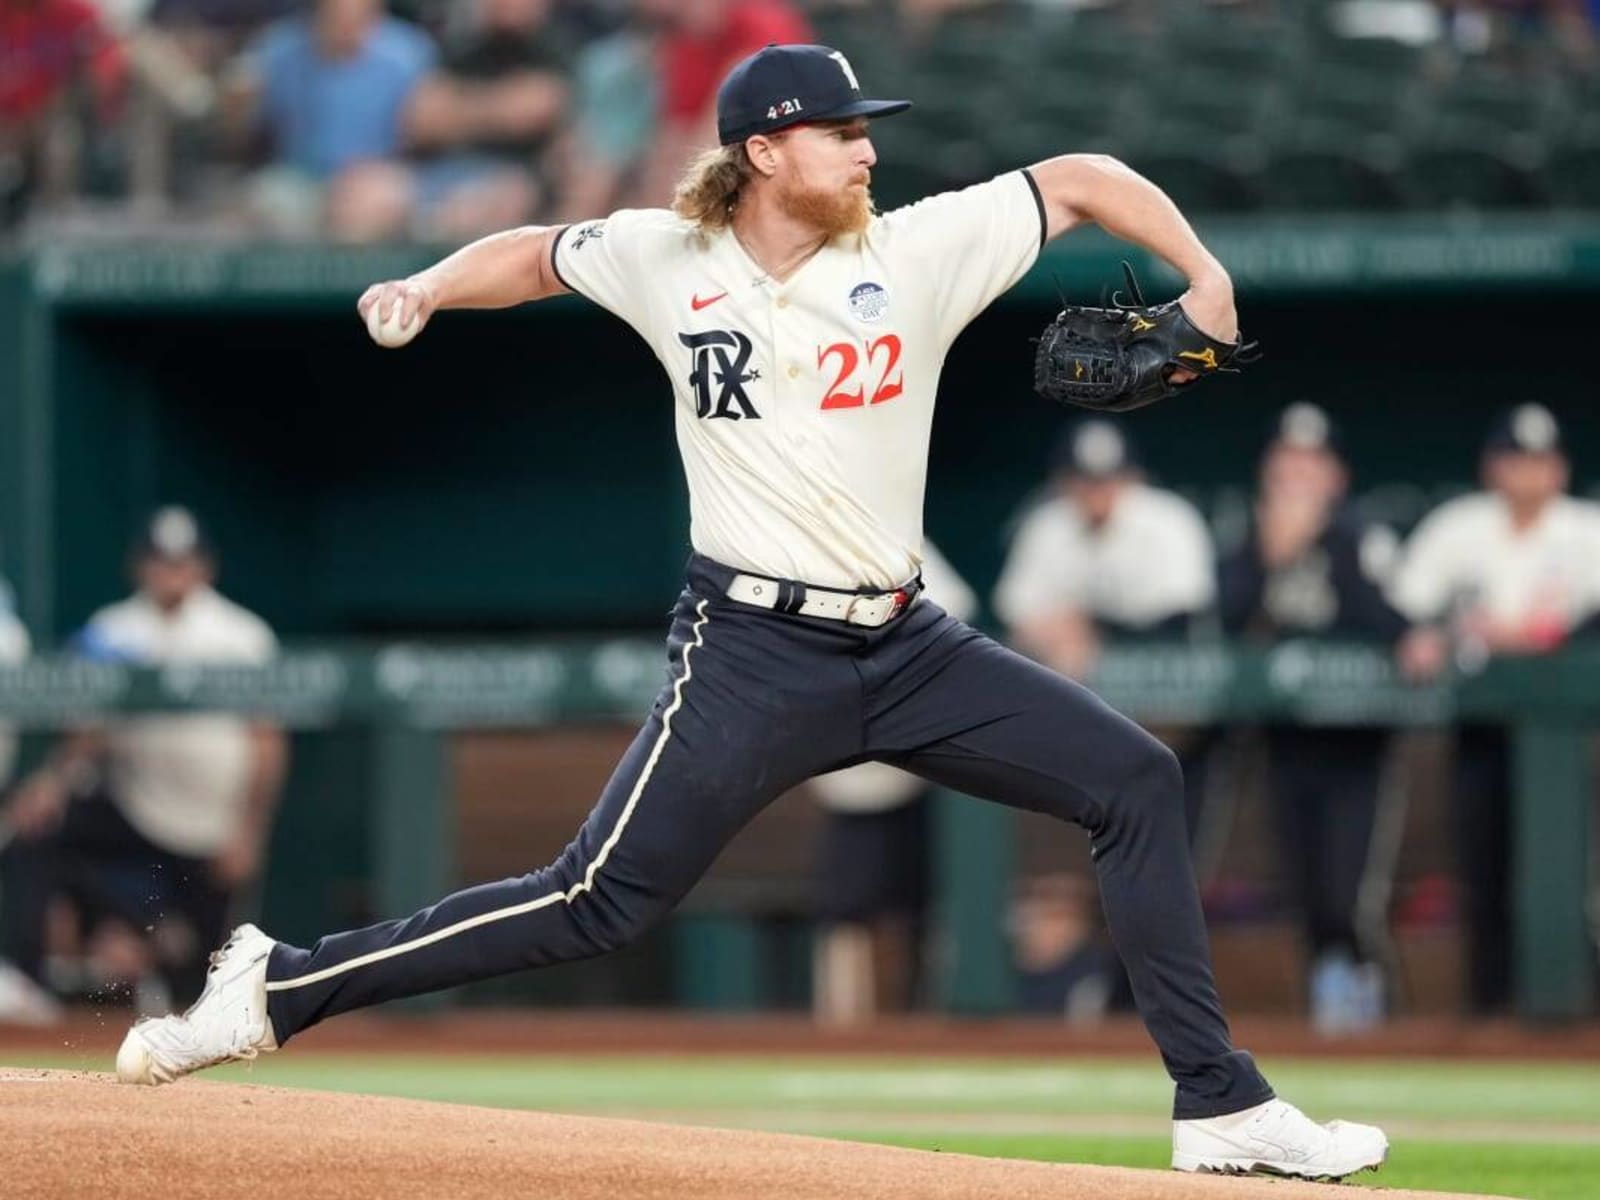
x=869, y=302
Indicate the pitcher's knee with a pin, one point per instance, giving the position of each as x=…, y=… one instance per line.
x=1160, y=768
x=608, y=923
x=1152, y=785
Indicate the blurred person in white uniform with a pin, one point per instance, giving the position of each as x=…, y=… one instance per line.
x=153, y=823
x=1106, y=556
x=872, y=870
x=1513, y=569
x=14, y=647
x=22, y=1000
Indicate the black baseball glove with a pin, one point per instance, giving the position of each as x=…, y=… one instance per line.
x=1123, y=357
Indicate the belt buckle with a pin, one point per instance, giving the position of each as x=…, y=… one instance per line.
x=899, y=597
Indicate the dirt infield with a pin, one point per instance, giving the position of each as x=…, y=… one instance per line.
x=70, y=1134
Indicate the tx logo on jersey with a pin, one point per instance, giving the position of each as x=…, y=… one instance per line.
x=719, y=375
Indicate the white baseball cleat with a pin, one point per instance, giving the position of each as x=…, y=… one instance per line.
x=1276, y=1138
x=228, y=1022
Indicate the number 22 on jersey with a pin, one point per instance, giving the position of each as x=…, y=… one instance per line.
x=882, y=355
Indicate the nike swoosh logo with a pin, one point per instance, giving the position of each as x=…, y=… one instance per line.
x=697, y=304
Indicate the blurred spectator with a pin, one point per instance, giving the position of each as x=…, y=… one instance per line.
x=332, y=91
x=701, y=39
x=1486, y=26
x=1064, y=967
x=155, y=823
x=1311, y=568
x=1104, y=556
x=488, y=116
x=1511, y=570
x=614, y=116
x=210, y=30
x=14, y=647
x=22, y=1001
x=54, y=54
x=873, y=871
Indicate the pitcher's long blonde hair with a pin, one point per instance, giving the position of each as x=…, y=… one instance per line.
x=710, y=188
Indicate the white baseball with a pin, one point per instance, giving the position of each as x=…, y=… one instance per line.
x=391, y=334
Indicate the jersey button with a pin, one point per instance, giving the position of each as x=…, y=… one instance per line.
x=794, y=371
x=783, y=302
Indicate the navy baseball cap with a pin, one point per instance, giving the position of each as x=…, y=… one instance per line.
x=788, y=85
x=1095, y=449
x=1525, y=429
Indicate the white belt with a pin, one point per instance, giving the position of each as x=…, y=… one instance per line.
x=870, y=610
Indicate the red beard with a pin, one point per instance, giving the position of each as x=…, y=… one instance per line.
x=829, y=212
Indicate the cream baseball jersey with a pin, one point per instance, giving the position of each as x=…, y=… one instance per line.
x=804, y=407
x=1467, y=551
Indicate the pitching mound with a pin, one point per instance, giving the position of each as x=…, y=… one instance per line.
x=79, y=1134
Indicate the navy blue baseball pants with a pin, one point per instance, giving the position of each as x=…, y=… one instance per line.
x=757, y=701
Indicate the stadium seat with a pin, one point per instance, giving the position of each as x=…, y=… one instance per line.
x=1329, y=178
x=1247, y=43
x=1089, y=48
x=1503, y=101
x=1198, y=102
x=914, y=165
x=1198, y=180
x=1572, y=175
x=1377, y=56
x=1330, y=101
x=1471, y=173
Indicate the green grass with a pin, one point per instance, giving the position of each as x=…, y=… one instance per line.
x=1537, y=1172
x=1526, y=1130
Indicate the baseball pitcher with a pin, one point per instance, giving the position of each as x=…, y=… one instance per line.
x=803, y=336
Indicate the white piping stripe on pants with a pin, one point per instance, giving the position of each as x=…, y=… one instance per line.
x=567, y=896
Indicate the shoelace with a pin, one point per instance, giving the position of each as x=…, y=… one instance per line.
x=216, y=956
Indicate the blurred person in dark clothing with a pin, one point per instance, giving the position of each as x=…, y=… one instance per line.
x=47, y=49
x=488, y=117
x=700, y=42
x=332, y=90
x=1512, y=570
x=1311, y=568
